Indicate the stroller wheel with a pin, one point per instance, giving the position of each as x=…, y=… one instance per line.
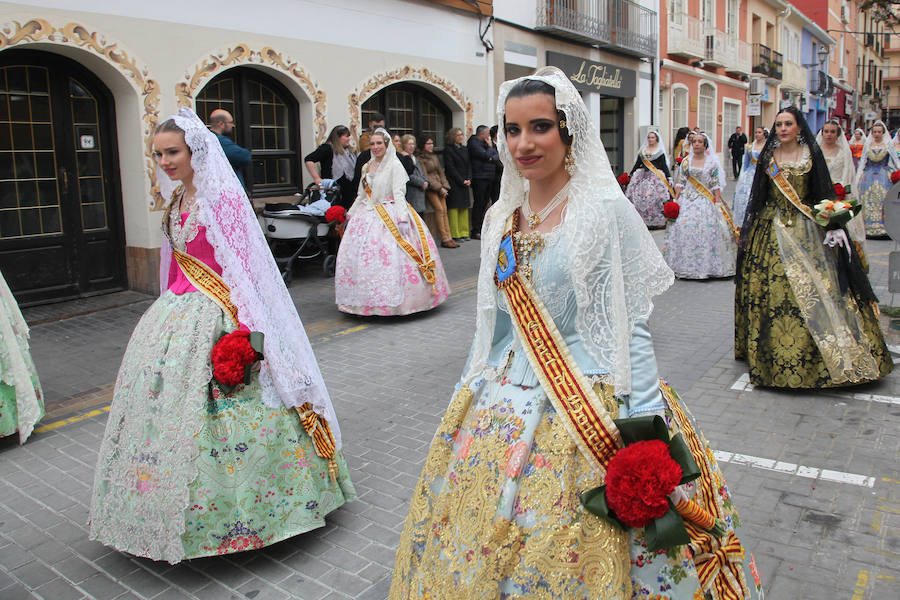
x=329, y=265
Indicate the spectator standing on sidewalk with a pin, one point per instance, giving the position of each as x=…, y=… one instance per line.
x=418, y=183
x=221, y=123
x=459, y=173
x=336, y=162
x=736, y=144
x=436, y=193
x=495, y=187
x=483, y=157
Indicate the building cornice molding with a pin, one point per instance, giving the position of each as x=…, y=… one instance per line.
x=703, y=74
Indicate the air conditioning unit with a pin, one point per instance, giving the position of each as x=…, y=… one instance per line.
x=757, y=86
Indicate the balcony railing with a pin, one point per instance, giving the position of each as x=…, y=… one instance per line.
x=581, y=20
x=795, y=76
x=685, y=36
x=635, y=28
x=820, y=83
x=621, y=25
x=767, y=62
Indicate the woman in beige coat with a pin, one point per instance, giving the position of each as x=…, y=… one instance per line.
x=436, y=194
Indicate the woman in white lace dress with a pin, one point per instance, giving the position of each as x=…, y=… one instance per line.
x=700, y=243
x=388, y=263
x=839, y=159
x=190, y=466
x=21, y=398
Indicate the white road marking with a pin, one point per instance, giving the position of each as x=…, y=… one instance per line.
x=792, y=469
x=742, y=384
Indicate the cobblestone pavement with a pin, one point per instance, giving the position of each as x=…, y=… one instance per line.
x=815, y=475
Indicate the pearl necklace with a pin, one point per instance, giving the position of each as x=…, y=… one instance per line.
x=535, y=219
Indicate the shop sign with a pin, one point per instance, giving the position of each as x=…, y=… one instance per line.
x=591, y=76
x=848, y=104
x=754, y=106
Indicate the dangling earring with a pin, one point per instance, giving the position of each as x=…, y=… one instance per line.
x=570, y=162
x=801, y=140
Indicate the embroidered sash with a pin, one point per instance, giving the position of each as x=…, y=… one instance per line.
x=785, y=187
x=207, y=281
x=662, y=177
x=424, y=263
x=726, y=212
x=753, y=160
x=572, y=395
x=718, y=561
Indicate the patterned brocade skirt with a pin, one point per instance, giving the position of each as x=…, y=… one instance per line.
x=187, y=469
x=648, y=194
x=770, y=332
x=496, y=513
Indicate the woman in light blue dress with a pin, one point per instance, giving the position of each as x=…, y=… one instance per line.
x=497, y=511
x=745, y=181
x=873, y=178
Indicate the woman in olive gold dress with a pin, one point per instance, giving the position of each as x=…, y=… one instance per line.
x=786, y=260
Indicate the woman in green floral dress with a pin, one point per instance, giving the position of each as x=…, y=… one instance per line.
x=21, y=398
x=189, y=467
x=804, y=310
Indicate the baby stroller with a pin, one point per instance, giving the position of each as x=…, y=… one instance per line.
x=293, y=235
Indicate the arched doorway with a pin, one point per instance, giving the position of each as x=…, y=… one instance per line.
x=61, y=230
x=410, y=108
x=266, y=122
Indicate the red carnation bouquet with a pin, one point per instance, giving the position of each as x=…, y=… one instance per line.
x=679, y=159
x=623, y=180
x=671, y=210
x=639, y=479
x=895, y=176
x=336, y=214
x=234, y=356
x=641, y=488
x=839, y=191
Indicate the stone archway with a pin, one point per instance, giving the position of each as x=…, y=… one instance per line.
x=213, y=64
x=446, y=89
x=76, y=35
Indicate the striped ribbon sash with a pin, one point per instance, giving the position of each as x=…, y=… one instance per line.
x=572, y=395
x=726, y=212
x=659, y=174
x=207, y=281
x=718, y=560
x=753, y=160
x=777, y=176
x=424, y=262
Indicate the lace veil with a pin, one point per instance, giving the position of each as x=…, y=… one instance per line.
x=711, y=163
x=887, y=142
x=290, y=374
x=15, y=362
x=844, y=152
x=661, y=147
x=614, y=264
x=389, y=181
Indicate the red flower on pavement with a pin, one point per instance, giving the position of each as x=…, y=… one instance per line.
x=895, y=176
x=638, y=480
x=671, y=209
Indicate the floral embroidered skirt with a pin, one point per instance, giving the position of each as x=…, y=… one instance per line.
x=374, y=276
x=770, y=332
x=21, y=397
x=496, y=514
x=699, y=243
x=648, y=194
x=188, y=470
x=873, y=188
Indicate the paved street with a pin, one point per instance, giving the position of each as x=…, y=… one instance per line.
x=815, y=475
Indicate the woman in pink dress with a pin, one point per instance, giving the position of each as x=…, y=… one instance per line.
x=388, y=263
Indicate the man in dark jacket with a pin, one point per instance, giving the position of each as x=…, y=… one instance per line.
x=736, y=144
x=484, y=159
x=221, y=123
